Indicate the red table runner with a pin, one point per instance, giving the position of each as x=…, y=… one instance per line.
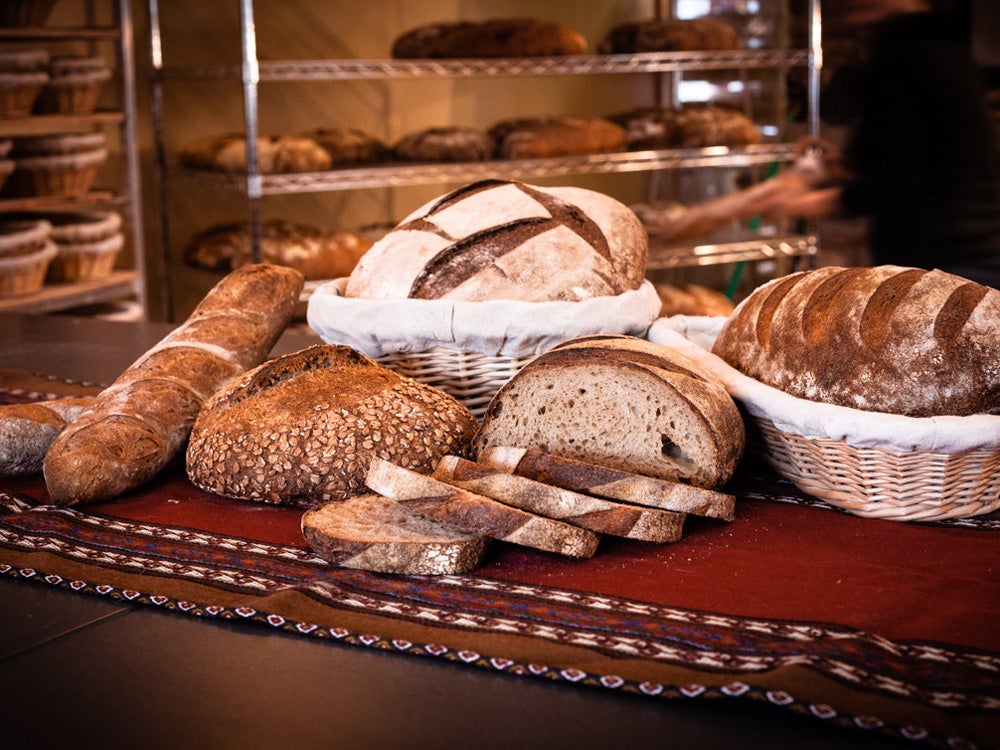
x=878, y=625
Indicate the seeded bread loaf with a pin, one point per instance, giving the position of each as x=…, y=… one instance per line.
x=27, y=431
x=304, y=427
x=495, y=37
x=597, y=514
x=884, y=339
x=142, y=420
x=476, y=513
x=373, y=532
x=507, y=240
x=621, y=402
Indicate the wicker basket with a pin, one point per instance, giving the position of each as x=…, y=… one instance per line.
x=469, y=349
x=74, y=87
x=56, y=175
x=19, y=91
x=86, y=261
x=24, y=274
x=871, y=465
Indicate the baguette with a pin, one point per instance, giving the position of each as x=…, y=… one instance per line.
x=142, y=420
x=881, y=339
x=375, y=533
x=27, y=431
x=477, y=514
x=599, y=515
x=602, y=481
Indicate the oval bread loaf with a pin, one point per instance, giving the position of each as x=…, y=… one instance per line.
x=507, y=240
x=494, y=37
x=304, y=427
x=884, y=339
x=621, y=402
x=142, y=420
x=373, y=532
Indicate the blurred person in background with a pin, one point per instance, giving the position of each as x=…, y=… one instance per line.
x=920, y=161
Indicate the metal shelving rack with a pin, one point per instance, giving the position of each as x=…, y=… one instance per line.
x=256, y=186
x=127, y=199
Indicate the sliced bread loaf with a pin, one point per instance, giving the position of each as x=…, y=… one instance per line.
x=477, y=514
x=621, y=402
x=583, y=477
x=597, y=514
x=373, y=532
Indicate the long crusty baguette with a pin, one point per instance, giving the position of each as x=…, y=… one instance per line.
x=599, y=515
x=27, y=431
x=602, y=481
x=373, y=532
x=477, y=514
x=883, y=338
x=141, y=421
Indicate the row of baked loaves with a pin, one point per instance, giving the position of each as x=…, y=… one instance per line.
x=534, y=37
x=321, y=149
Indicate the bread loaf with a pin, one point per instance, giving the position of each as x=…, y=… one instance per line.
x=476, y=513
x=278, y=154
x=602, y=481
x=670, y=35
x=445, y=144
x=507, y=240
x=142, y=420
x=692, y=299
x=621, y=402
x=347, y=146
x=550, y=136
x=27, y=431
x=373, y=532
x=315, y=253
x=599, y=515
x=884, y=339
x=495, y=37
x=304, y=427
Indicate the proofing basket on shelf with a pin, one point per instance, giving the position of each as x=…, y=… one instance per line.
x=872, y=465
x=469, y=349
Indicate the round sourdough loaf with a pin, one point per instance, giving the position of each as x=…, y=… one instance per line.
x=497, y=239
x=884, y=339
x=624, y=403
x=304, y=427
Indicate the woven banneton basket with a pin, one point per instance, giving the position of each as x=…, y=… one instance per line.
x=872, y=465
x=469, y=349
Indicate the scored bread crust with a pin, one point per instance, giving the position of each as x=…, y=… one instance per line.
x=497, y=239
x=884, y=338
x=303, y=428
x=621, y=402
x=597, y=514
x=476, y=513
x=375, y=533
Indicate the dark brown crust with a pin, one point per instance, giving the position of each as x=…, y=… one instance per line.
x=885, y=339
x=498, y=37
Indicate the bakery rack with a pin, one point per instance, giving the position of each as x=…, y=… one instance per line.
x=255, y=186
x=126, y=197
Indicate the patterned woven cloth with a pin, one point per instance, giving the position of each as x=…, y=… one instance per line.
x=877, y=625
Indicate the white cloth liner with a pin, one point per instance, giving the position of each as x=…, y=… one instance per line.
x=495, y=327
x=694, y=336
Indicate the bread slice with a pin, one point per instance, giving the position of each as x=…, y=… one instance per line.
x=477, y=514
x=597, y=514
x=375, y=533
x=584, y=477
x=621, y=402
